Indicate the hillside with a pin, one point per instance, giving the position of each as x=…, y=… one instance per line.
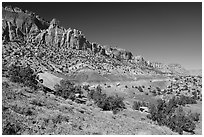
x=56, y=82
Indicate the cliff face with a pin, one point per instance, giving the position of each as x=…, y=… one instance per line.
x=55, y=44
x=20, y=25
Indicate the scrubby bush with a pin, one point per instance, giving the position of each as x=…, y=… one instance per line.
x=24, y=75
x=97, y=94
x=183, y=100
x=138, y=104
x=113, y=103
x=67, y=90
x=140, y=89
x=38, y=102
x=154, y=92
x=172, y=115
x=24, y=110
x=86, y=87
x=59, y=119
x=195, y=95
x=158, y=89
x=194, y=116
x=180, y=122
x=164, y=91
x=12, y=129
x=5, y=85
x=152, y=112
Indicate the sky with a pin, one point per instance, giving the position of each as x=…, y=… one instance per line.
x=163, y=32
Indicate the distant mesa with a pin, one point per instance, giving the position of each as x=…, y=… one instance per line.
x=196, y=72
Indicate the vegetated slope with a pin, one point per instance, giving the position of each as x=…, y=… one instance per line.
x=87, y=111
x=43, y=55
x=30, y=40
x=27, y=111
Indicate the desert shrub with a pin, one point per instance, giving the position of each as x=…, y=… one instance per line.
x=11, y=123
x=153, y=112
x=140, y=89
x=24, y=110
x=59, y=119
x=67, y=90
x=195, y=95
x=11, y=129
x=198, y=92
x=97, y=94
x=171, y=105
x=158, y=89
x=97, y=133
x=4, y=69
x=194, y=116
x=113, y=103
x=86, y=87
x=138, y=104
x=164, y=91
x=179, y=122
x=5, y=85
x=24, y=75
x=38, y=102
x=172, y=115
x=154, y=92
x=176, y=78
x=183, y=100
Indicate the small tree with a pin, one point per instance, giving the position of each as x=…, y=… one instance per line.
x=136, y=105
x=67, y=90
x=172, y=115
x=140, y=89
x=114, y=103
x=24, y=75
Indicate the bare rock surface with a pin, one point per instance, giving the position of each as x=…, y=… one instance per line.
x=49, y=80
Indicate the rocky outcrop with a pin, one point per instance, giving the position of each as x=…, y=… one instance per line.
x=17, y=24
x=159, y=66
x=139, y=60
x=177, y=69
x=52, y=42
x=49, y=80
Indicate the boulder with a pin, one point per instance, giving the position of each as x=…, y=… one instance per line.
x=9, y=8
x=144, y=109
x=116, y=54
x=49, y=80
x=94, y=47
x=16, y=9
x=82, y=42
x=128, y=55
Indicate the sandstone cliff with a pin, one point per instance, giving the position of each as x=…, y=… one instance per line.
x=29, y=39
